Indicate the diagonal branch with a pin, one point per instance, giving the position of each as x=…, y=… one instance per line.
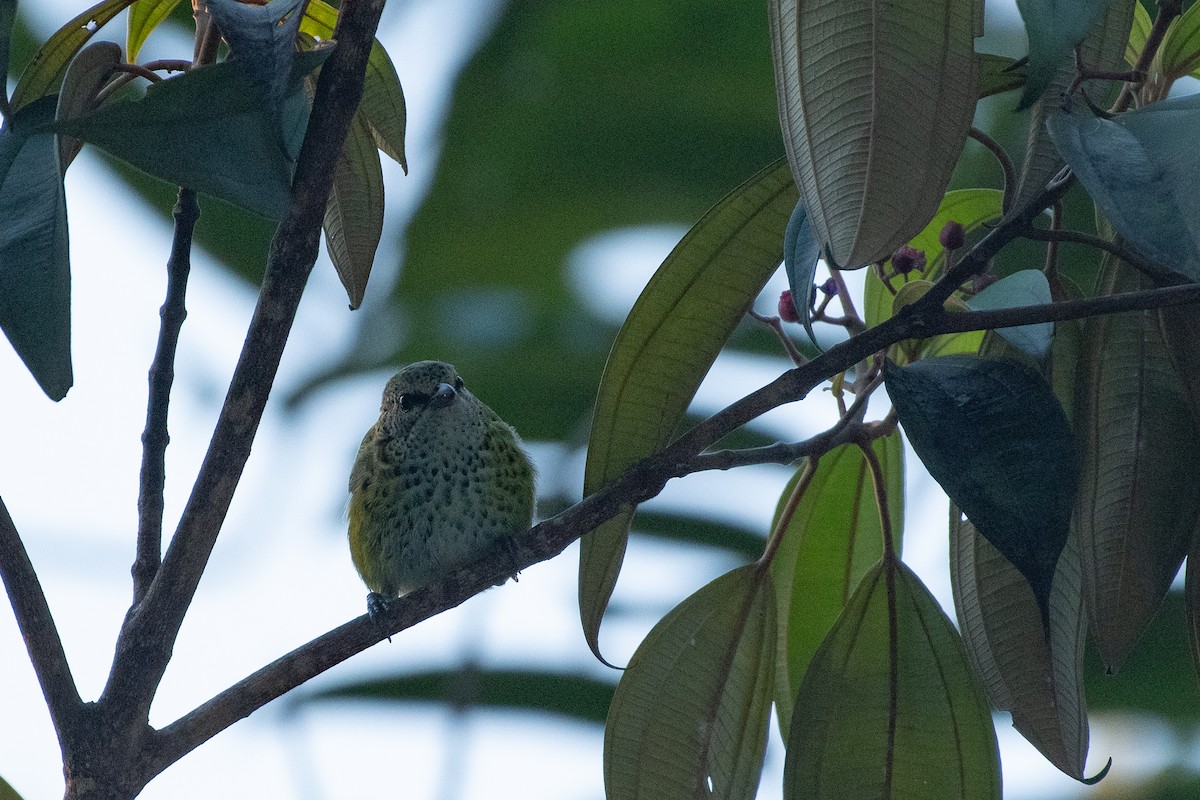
x=145, y=643
x=162, y=375
x=37, y=629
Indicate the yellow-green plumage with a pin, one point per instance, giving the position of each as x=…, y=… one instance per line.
x=439, y=480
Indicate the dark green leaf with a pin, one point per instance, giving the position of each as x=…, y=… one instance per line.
x=144, y=17
x=1140, y=169
x=212, y=131
x=888, y=708
x=833, y=539
x=35, y=269
x=87, y=73
x=7, y=792
x=665, y=348
x=801, y=252
x=1054, y=27
x=42, y=75
x=8, y=14
x=998, y=74
x=994, y=436
x=354, y=213
x=744, y=543
x=689, y=717
x=577, y=696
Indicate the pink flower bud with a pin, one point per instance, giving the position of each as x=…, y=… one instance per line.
x=953, y=235
x=787, y=307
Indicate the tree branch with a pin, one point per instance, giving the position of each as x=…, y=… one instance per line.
x=162, y=375
x=1098, y=242
x=38, y=629
x=146, y=641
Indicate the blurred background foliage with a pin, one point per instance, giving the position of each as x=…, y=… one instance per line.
x=573, y=119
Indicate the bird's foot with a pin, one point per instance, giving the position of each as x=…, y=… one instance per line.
x=507, y=549
x=377, y=606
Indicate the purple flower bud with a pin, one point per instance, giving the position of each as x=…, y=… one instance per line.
x=906, y=259
x=953, y=235
x=787, y=307
x=829, y=288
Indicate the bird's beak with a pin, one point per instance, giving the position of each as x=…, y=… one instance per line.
x=444, y=396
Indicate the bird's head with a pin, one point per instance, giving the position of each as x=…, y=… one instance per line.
x=418, y=390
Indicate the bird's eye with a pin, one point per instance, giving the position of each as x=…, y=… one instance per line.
x=458, y=384
x=410, y=400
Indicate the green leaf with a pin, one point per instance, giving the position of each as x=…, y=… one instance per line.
x=993, y=435
x=1138, y=34
x=666, y=347
x=1138, y=507
x=7, y=792
x=888, y=708
x=968, y=207
x=354, y=213
x=998, y=74
x=1038, y=680
x=1054, y=27
x=212, y=131
x=1139, y=168
x=871, y=156
x=1101, y=50
x=144, y=17
x=8, y=14
x=833, y=539
x=576, y=696
x=43, y=73
x=1180, y=53
x=263, y=40
x=801, y=252
x=689, y=717
x=85, y=76
x=35, y=268
x=1028, y=287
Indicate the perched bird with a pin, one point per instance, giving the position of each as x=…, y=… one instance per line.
x=439, y=480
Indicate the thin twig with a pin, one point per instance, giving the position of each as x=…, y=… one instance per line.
x=785, y=341
x=1056, y=214
x=789, y=511
x=1006, y=165
x=38, y=629
x=1100, y=243
x=146, y=641
x=1168, y=10
x=162, y=375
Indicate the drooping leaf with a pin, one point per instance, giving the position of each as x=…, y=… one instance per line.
x=43, y=73
x=665, y=348
x=35, y=269
x=212, y=132
x=871, y=156
x=968, y=207
x=383, y=98
x=993, y=435
x=86, y=74
x=1038, y=679
x=1137, y=503
x=1139, y=168
x=263, y=39
x=354, y=213
x=577, y=696
x=998, y=74
x=888, y=708
x=144, y=17
x=1102, y=50
x=1028, y=287
x=833, y=539
x=689, y=717
x=1053, y=27
x=801, y=252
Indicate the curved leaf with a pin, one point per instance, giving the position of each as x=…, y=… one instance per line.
x=43, y=73
x=1038, y=680
x=871, y=155
x=833, y=539
x=87, y=73
x=1180, y=53
x=801, y=252
x=354, y=214
x=144, y=17
x=1054, y=27
x=666, y=347
x=689, y=717
x=889, y=708
x=1028, y=287
x=993, y=435
x=968, y=207
x=1139, y=168
x=1138, y=506
x=1102, y=50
